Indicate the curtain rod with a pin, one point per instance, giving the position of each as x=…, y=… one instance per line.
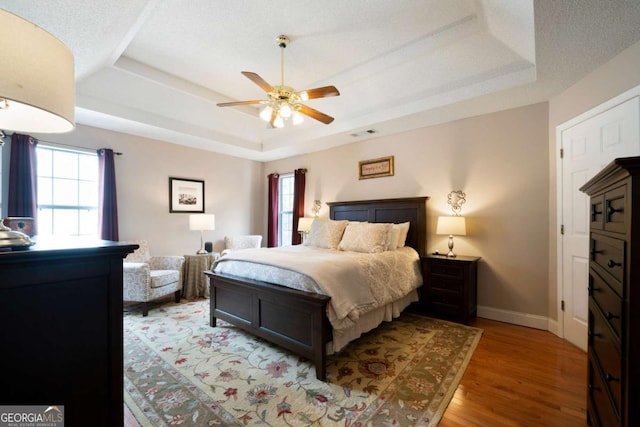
x=6, y=135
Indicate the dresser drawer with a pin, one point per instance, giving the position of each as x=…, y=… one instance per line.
x=607, y=353
x=600, y=405
x=615, y=217
x=608, y=255
x=607, y=300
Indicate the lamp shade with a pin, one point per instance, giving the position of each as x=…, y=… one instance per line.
x=451, y=225
x=37, y=88
x=202, y=222
x=304, y=224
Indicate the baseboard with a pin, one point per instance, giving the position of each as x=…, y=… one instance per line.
x=517, y=318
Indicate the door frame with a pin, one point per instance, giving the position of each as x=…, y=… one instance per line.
x=558, y=328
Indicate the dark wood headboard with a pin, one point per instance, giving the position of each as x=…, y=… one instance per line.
x=412, y=209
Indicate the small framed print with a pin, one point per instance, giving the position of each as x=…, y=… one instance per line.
x=375, y=168
x=186, y=195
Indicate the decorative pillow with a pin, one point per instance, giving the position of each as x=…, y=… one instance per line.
x=392, y=238
x=325, y=233
x=365, y=237
x=404, y=231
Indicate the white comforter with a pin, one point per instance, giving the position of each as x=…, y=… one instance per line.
x=356, y=282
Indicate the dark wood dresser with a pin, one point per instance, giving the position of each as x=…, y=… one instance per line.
x=61, y=333
x=614, y=304
x=450, y=287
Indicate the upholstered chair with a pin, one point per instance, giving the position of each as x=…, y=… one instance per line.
x=147, y=277
x=241, y=242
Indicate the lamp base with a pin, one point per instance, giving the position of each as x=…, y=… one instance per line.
x=451, y=254
x=201, y=251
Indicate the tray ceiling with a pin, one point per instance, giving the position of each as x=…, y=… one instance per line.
x=157, y=68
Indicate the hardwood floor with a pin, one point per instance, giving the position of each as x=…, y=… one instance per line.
x=520, y=377
x=517, y=377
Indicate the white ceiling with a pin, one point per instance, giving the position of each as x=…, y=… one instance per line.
x=157, y=68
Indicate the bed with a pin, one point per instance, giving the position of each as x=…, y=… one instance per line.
x=294, y=319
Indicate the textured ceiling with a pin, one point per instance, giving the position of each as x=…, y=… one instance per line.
x=157, y=68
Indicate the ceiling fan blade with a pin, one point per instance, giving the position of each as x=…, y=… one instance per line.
x=315, y=114
x=319, y=92
x=258, y=80
x=230, y=104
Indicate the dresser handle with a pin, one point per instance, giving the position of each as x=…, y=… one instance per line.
x=594, y=335
x=611, y=210
x=612, y=263
x=610, y=378
x=594, y=213
x=609, y=315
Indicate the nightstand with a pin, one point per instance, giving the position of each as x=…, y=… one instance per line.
x=194, y=283
x=450, y=287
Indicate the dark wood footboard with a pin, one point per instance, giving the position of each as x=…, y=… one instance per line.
x=292, y=319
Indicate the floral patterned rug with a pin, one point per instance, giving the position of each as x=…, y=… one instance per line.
x=181, y=372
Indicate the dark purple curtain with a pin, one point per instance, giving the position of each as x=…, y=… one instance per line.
x=22, y=201
x=107, y=200
x=272, y=213
x=299, y=179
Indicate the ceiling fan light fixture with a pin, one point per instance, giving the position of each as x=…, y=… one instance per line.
x=285, y=110
x=265, y=114
x=297, y=118
x=278, y=122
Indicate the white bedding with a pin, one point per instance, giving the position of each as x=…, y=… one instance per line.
x=358, y=283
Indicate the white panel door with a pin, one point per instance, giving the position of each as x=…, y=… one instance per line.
x=588, y=146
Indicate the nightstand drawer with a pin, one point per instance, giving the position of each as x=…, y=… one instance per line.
x=449, y=286
x=445, y=269
x=443, y=303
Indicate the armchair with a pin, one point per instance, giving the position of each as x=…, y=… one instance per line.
x=146, y=278
x=241, y=242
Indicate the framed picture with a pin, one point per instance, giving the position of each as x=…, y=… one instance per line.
x=186, y=195
x=375, y=168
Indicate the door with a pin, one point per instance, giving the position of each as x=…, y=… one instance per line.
x=587, y=147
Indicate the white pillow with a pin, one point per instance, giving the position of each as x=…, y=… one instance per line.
x=392, y=238
x=365, y=237
x=325, y=233
x=404, y=231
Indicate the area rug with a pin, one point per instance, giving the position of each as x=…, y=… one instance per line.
x=181, y=372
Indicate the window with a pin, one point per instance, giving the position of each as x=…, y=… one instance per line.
x=67, y=192
x=285, y=210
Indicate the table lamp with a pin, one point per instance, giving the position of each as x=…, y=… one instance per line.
x=202, y=222
x=304, y=226
x=453, y=226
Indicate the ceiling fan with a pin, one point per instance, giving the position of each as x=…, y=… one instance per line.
x=284, y=102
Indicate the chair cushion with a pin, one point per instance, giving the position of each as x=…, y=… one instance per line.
x=242, y=242
x=160, y=278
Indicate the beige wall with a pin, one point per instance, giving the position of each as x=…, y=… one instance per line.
x=611, y=79
x=499, y=160
x=233, y=189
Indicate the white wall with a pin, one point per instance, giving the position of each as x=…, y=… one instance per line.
x=233, y=189
x=499, y=160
